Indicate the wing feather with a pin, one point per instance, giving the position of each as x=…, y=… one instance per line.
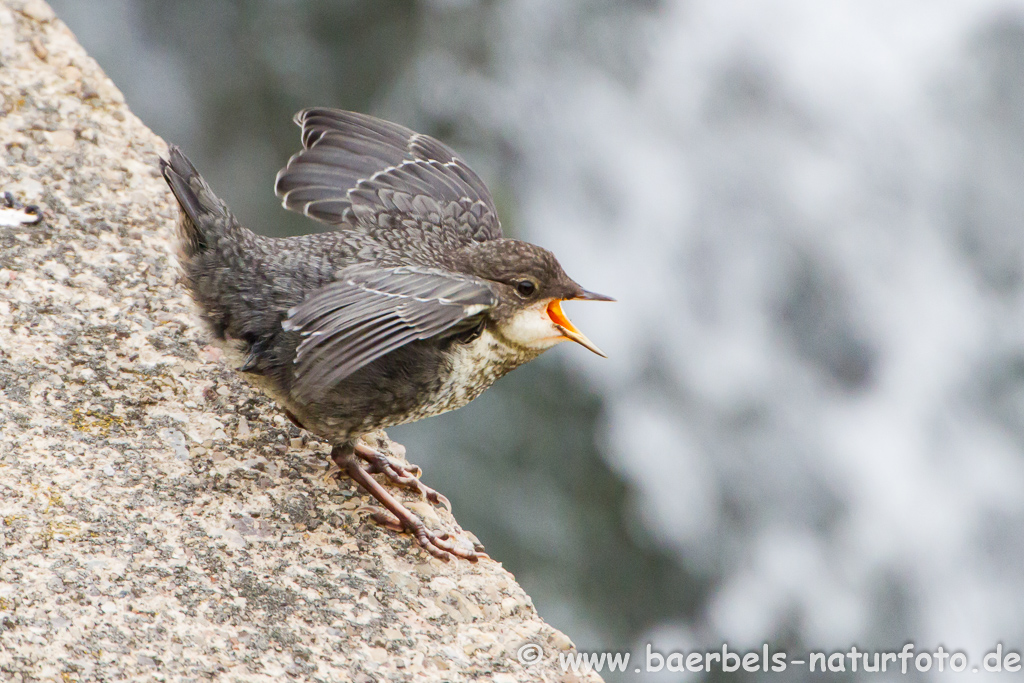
x=369, y=312
x=379, y=178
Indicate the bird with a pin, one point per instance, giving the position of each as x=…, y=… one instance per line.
x=411, y=305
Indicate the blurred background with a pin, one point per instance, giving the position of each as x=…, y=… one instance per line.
x=810, y=431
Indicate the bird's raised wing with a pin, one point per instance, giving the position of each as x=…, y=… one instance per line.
x=369, y=312
x=361, y=172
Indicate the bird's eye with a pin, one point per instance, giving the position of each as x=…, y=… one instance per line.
x=526, y=288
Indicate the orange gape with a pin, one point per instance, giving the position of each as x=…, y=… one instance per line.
x=568, y=329
x=557, y=317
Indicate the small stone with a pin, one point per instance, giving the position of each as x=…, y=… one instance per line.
x=560, y=641
x=89, y=91
x=176, y=440
x=508, y=606
x=39, y=49
x=243, y=428
x=58, y=271
x=439, y=662
x=478, y=640
x=407, y=582
x=38, y=10
x=60, y=622
x=62, y=138
x=425, y=510
x=210, y=354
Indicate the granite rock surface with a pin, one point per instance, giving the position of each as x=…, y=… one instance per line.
x=159, y=519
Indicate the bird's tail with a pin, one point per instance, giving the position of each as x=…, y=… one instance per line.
x=204, y=217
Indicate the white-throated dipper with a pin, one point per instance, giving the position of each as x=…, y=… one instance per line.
x=411, y=307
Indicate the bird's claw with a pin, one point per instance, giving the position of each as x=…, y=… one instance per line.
x=333, y=473
x=439, y=545
x=406, y=476
x=398, y=517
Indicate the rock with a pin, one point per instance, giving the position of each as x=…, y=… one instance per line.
x=58, y=271
x=37, y=10
x=243, y=431
x=145, y=534
x=176, y=441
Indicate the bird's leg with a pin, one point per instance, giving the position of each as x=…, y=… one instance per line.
x=399, y=474
x=438, y=545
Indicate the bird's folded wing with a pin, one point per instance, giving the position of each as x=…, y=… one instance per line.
x=369, y=312
x=360, y=172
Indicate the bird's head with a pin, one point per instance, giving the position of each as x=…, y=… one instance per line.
x=532, y=287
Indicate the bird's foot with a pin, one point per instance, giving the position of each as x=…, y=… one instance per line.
x=407, y=477
x=347, y=458
x=438, y=545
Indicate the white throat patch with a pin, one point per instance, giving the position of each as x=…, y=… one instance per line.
x=532, y=328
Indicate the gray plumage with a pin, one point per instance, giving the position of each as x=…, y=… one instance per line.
x=398, y=186
x=371, y=311
x=399, y=313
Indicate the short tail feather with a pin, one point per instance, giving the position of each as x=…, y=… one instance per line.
x=204, y=215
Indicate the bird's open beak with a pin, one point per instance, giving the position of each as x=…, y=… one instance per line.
x=568, y=329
